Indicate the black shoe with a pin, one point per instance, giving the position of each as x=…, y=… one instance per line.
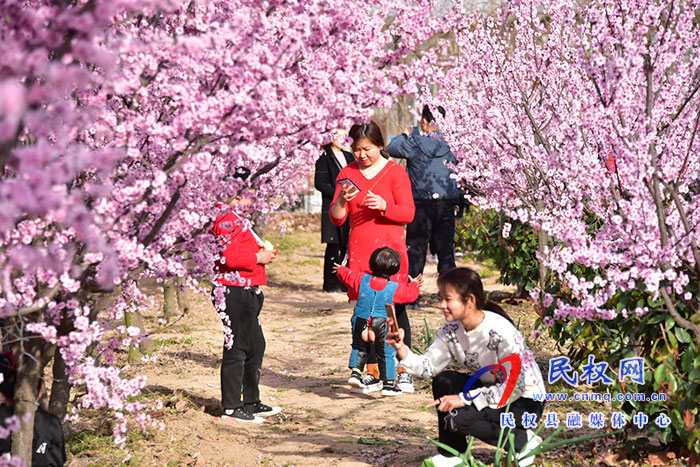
x=390, y=390
x=369, y=384
x=262, y=410
x=355, y=380
x=241, y=414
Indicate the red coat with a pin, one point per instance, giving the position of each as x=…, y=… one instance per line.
x=240, y=252
x=370, y=228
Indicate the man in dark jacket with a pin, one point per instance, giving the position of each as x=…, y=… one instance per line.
x=328, y=166
x=435, y=193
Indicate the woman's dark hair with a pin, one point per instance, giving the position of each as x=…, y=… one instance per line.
x=385, y=262
x=467, y=282
x=370, y=131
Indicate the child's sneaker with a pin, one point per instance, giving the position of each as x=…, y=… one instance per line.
x=240, y=414
x=355, y=380
x=390, y=390
x=369, y=384
x=405, y=382
x=263, y=410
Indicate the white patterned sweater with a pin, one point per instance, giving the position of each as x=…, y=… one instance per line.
x=493, y=340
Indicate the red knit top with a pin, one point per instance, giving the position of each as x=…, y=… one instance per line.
x=370, y=228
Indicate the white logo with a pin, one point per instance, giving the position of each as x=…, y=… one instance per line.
x=41, y=449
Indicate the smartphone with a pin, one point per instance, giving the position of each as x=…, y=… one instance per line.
x=347, y=183
x=390, y=313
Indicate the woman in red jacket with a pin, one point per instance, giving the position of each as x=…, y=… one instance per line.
x=375, y=193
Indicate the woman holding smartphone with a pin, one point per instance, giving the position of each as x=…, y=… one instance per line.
x=378, y=201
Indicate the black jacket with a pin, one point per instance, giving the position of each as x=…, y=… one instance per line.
x=48, y=447
x=327, y=170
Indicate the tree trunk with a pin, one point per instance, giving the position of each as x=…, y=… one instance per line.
x=146, y=345
x=543, y=240
x=60, y=389
x=170, y=300
x=29, y=370
x=183, y=300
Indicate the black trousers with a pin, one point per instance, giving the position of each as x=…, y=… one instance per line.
x=434, y=224
x=404, y=323
x=241, y=364
x=484, y=424
x=335, y=252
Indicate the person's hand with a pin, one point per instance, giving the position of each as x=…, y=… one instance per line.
x=375, y=202
x=407, y=131
x=346, y=194
x=335, y=267
x=447, y=403
x=418, y=278
x=393, y=338
x=266, y=256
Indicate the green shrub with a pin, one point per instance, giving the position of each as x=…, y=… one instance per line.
x=671, y=362
x=515, y=257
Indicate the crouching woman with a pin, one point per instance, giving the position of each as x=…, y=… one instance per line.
x=477, y=334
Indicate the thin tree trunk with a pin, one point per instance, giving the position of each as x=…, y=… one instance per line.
x=146, y=345
x=170, y=300
x=543, y=240
x=183, y=299
x=29, y=370
x=60, y=388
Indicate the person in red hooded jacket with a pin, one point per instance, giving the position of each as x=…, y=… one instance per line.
x=242, y=266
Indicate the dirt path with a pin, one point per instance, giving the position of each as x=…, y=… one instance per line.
x=304, y=371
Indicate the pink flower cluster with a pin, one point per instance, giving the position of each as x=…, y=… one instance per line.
x=581, y=119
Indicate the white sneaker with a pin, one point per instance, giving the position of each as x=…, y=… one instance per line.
x=405, y=382
x=532, y=442
x=440, y=460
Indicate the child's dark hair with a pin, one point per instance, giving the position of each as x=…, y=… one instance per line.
x=467, y=282
x=385, y=262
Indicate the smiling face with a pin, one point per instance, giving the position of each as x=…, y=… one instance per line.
x=366, y=153
x=452, y=305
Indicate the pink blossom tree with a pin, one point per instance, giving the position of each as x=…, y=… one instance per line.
x=122, y=124
x=581, y=118
x=561, y=112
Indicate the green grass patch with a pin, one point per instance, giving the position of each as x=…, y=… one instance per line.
x=293, y=242
x=165, y=341
x=315, y=262
x=88, y=440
